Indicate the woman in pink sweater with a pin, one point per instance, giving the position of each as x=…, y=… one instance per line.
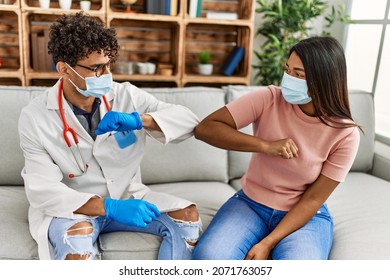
x=304, y=144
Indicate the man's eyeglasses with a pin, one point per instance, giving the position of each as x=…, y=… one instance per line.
x=98, y=69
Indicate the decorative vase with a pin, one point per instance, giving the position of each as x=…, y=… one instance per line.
x=44, y=4
x=65, y=4
x=146, y=68
x=128, y=3
x=205, y=69
x=123, y=67
x=85, y=5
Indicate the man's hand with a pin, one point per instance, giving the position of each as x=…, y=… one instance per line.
x=117, y=121
x=131, y=212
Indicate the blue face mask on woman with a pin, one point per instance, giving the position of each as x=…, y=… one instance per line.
x=294, y=90
x=96, y=86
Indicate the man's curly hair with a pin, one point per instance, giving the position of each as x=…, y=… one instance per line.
x=75, y=37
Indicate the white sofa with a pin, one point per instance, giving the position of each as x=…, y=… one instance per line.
x=208, y=176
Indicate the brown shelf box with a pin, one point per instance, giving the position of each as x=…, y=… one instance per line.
x=170, y=41
x=37, y=26
x=10, y=81
x=10, y=53
x=147, y=41
x=219, y=40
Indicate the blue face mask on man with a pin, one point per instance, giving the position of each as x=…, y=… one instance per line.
x=96, y=86
x=294, y=90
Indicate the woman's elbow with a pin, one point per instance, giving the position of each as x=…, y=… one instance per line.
x=201, y=130
x=198, y=130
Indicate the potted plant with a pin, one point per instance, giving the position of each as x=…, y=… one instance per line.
x=285, y=23
x=205, y=67
x=85, y=5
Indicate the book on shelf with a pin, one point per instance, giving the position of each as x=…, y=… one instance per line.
x=165, y=7
x=48, y=59
x=160, y=7
x=193, y=8
x=199, y=9
x=221, y=15
x=151, y=6
x=232, y=61
x=34, y=51
x=41, y=60
x=174, y=7
x=41, y=53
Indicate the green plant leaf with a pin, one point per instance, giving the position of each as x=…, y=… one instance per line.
x=204, y=57
x=285, y=23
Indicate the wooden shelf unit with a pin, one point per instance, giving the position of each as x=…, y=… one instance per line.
x=11, y=51
x=173, y=41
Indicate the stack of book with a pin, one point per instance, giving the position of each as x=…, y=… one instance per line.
x=195, y=8
x=41, y=60
x=221, y=15
x=162, y=7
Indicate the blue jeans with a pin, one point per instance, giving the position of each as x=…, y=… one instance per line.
x=241, y=223
x=173, y=246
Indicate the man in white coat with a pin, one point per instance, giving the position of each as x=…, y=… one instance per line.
x=83, y=141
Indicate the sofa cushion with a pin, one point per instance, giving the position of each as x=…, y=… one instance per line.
x=359, y=206
x=236, y=184
x=381, y=161
x=12, y=160
x=209, y=197
x=15, y=239
x=190, y=160
x=362, y=109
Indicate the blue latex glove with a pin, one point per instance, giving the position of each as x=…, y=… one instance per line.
x=131, y=212
x=117, y=121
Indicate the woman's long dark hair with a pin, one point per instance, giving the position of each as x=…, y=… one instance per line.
x=326, y=76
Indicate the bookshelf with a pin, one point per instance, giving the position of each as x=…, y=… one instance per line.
x=172, y=42
x=11, y=52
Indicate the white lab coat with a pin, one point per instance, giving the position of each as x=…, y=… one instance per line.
x=112, y=172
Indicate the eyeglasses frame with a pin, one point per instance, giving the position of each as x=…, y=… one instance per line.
x=97, y=68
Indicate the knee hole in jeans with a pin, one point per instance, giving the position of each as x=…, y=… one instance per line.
x=81, y=228
x=188, y=214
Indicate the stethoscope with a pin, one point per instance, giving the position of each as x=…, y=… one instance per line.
x=83, y=166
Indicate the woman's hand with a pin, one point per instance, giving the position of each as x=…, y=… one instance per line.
x=259, y=252
x=286, y=148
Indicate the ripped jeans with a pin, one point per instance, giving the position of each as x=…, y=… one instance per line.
x=174, y=245
x=242, y=222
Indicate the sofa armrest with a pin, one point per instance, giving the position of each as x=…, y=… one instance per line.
x=381, y=165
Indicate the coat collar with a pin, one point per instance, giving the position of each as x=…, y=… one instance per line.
x=52, y=104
